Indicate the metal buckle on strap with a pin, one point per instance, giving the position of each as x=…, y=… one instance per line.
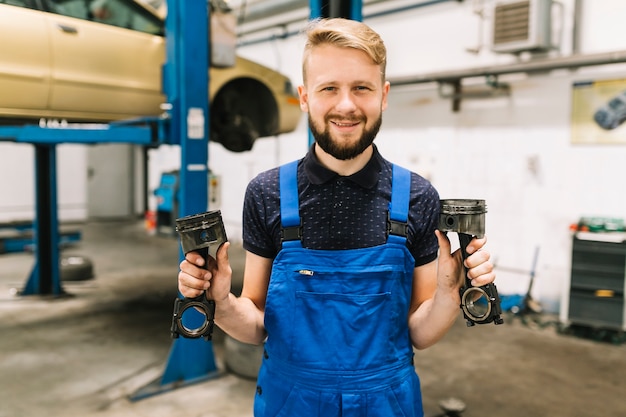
x=291, y=233
x=397, y=228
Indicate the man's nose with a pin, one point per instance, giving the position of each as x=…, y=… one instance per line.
x=346, y=103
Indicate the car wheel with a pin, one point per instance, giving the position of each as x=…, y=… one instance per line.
x=241, y=112
x=232, y=120
x=238, y=135
x=76, y=268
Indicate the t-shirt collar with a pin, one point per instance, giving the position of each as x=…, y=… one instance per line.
x=367, y=177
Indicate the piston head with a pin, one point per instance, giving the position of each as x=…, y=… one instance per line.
x=200, y=231
x=197, y=232
x=463, y=216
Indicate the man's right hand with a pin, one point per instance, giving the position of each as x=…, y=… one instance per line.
x=215, y=277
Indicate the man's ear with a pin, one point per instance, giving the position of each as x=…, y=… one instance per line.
x=304, y=98
x=386, y=87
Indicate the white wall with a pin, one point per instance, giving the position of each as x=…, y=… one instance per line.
x=17, y=182
x=514, y=152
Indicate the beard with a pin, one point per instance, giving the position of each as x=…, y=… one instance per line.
x=346, y=151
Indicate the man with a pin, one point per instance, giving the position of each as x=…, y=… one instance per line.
x=342, y=277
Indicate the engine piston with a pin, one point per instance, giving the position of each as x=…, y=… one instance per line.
x=467, y=218
x=198, y=232
x=463, y=216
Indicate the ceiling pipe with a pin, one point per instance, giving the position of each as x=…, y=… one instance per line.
x=272, y=8
x=578, y=16
x=539, y=65
x=264, y=9
x=282, y=23
x=455, y=78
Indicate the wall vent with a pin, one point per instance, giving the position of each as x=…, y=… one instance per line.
x=522, y=26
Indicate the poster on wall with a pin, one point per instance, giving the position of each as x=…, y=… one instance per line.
x=599, y=112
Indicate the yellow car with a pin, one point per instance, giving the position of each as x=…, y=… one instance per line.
x=66, y=60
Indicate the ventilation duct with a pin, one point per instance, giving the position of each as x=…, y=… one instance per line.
x=520, y=26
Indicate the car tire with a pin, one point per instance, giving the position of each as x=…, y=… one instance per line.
x=238, y=136
x=241, y=112
x=76, y=268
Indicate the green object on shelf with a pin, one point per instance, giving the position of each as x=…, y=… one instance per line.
x=601, y=224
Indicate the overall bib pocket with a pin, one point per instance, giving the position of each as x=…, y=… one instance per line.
x=343, y=331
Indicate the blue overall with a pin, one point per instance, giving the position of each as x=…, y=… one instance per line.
x=338, y=341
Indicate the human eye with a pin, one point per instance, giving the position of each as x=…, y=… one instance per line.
x=362, y=88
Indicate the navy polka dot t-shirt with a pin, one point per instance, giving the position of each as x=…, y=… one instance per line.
x=340, y=212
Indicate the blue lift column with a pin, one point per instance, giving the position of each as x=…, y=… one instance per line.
x=185, y=83
x=45, y=278
x=348, y=9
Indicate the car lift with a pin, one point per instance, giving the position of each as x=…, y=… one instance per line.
x=185, y=83
x=18, y=236
x=45, y=275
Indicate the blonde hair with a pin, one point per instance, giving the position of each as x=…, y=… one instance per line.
x=345, y=33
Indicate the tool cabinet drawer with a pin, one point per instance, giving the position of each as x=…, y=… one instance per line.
x=597, y=280
x=596, y=309
x=596, y=277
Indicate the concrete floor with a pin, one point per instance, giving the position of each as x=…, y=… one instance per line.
x=86, y=354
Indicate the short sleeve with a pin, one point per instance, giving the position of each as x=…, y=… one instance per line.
x=423, y=220
x=261, y=215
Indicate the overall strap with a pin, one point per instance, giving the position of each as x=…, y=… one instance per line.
x=291, y=228
x=397, y=223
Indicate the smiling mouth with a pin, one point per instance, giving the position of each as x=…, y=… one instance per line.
x=350, y=124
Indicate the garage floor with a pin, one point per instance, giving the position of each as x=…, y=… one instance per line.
x=86, y=354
